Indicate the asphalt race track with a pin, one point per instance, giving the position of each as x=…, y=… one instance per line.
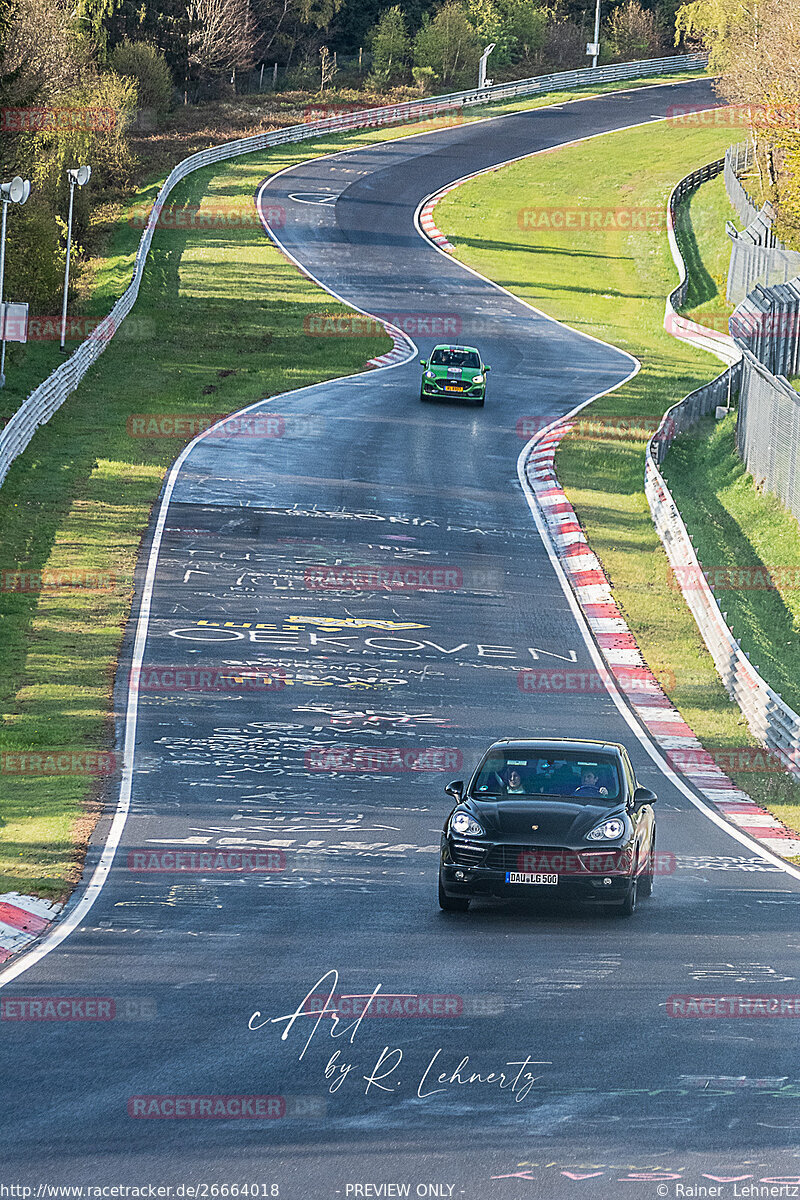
x=611, y=1095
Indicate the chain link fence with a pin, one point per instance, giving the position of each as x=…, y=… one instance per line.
x=757, y=256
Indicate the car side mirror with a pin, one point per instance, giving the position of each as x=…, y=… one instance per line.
x=456, y=790
x=487, y=368
x=423, y=362
x=643, y=796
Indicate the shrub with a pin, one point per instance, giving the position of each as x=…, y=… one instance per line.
x=148, y=68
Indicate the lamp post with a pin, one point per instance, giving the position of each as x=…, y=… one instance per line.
x=482, y=65
x=79, y=175
x=15, y=192
x=594, y=47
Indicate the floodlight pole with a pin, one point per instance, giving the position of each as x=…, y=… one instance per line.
x=596, y=31
x=15, y=192
x=79, y=176
x=6, y=202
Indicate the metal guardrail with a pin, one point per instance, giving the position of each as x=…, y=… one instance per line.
x=771, y=721
x=757, y=255
x=681, y=327
x=48, y=397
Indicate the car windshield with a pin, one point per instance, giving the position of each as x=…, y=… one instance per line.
x=455, y=358
x=581, y=776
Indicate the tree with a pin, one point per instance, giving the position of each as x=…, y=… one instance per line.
x=41, y=55
x=391, y=46
x=449, y=45
x=717, y=25
x=148, y=69
x=633, y=32
x=525, y=24
x=221, y=35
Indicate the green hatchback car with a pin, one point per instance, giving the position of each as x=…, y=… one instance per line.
x=454, y=371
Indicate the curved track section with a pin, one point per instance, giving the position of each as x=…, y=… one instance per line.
x=298, y=702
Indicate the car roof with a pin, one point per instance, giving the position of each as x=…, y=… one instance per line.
x=448, y=346
x=576, y=744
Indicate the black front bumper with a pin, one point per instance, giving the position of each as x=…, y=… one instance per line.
x=466, y=879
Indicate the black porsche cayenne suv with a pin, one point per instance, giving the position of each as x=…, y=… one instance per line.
x=551, y=817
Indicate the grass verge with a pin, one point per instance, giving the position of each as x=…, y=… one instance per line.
x=218, y=325
x=611, y=282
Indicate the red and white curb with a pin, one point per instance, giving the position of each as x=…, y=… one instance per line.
x=22, y=920
x=429, y=226
x=402, y=346
x=681, y=748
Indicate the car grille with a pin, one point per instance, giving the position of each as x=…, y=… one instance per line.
x=517, y=857
x=466, y=854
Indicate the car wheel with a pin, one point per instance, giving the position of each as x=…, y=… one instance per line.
x=646, y=880
x=628, y=906
x=480, y=402
x=422, y=396
x=451, y=903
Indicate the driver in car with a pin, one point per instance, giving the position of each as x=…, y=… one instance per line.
x=590, y=784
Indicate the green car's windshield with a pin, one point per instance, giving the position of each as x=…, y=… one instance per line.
x=455, y=358
x=581, y=776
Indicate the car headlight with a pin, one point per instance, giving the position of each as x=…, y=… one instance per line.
x=429, y=375
x=608, y=831
x=461, y=822
x=478, y=379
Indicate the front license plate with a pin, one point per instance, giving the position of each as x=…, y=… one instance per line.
x=530, y=877
x=449, y=388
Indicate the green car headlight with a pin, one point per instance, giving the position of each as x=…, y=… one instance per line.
x=429, y=375
x=478, y=379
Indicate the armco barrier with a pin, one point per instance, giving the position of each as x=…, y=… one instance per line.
x=771, y=721
x=757, y=256
x=51, y=394
x=681, y=327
